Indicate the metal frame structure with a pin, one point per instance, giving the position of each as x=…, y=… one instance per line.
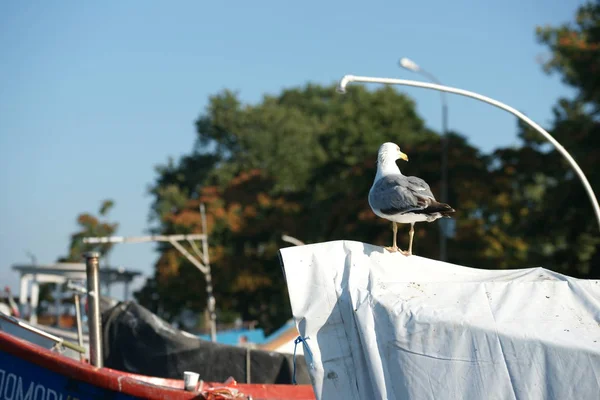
x=346, y=79
x=60, y=273
x=202, y=262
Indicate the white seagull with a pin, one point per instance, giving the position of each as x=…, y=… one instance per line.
x=402, y=199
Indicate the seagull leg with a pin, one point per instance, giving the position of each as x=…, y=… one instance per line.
x=394, y=248
x=411, y=234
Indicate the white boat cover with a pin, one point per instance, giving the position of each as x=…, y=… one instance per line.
x=379, y=325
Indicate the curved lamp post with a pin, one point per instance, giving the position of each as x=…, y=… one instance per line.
x=410, y=65
x=292, y=240
x=366, y=79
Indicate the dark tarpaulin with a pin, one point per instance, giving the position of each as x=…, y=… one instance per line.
x=138, y=341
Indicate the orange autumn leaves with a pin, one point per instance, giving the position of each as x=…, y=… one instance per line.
x=237, y=206
x=237, y=213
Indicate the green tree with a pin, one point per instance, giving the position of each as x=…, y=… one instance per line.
x=550, y=207
x=90, y=225
x=302, y=163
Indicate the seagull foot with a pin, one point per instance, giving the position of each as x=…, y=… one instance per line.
x=396, y=249
x=406, y=252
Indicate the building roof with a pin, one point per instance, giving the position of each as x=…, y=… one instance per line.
x=287, y=333
x=76, y=271
x=232, y=336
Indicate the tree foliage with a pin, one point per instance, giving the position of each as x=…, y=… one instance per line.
x=90, y=225
x=561, y=227
x=302, y=162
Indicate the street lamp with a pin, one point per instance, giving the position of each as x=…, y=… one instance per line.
x=590, y=192
x=292, y=240
x=410, y=65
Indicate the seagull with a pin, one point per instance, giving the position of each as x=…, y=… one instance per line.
x=402, y=199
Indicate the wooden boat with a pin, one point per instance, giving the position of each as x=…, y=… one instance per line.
x=30, y=368
x=29, y=371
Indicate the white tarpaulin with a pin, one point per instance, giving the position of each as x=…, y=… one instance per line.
x=380, y=325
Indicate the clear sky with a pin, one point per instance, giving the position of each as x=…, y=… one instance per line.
x=93, y=95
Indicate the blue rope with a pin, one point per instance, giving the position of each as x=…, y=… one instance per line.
x=299, y=339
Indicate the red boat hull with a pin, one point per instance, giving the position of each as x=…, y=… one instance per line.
x=30, y=371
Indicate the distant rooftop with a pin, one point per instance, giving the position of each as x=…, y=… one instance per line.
x=76, y=271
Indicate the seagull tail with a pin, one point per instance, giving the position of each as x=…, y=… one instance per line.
x=444, y=209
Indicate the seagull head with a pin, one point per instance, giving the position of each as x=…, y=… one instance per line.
x=390, y=151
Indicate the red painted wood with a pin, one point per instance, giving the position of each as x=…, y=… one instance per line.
x=146, y=387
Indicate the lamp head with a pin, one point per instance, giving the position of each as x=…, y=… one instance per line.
x=409, y=64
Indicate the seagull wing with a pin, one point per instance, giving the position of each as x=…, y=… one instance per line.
x=395, y=194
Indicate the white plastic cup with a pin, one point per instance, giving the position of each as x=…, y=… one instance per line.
x=190, y=381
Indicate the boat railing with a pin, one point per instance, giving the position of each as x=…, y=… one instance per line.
x=59, y=342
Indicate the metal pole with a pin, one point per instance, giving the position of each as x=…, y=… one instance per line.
x=79, y=328
x=444, y=194
x=586, y=184
x=142, y=239
x=94, y=322
x=444, y=167
x=34, y=301
x=444, y=223
x=292, y=240
x=55, y=339
x=209, y=288
x=57, y=303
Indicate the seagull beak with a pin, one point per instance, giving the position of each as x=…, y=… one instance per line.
x=403, y=156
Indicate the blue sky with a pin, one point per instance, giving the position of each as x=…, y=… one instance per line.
x=94, y=95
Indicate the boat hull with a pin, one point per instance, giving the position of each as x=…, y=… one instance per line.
x=28, y=371
x=20, y=379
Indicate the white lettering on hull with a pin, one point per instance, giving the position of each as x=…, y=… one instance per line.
x=12, y=387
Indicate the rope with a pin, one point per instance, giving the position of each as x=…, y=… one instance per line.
x=299, y=339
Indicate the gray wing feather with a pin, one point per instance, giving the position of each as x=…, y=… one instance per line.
x=400, y=193
x=420, y=187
